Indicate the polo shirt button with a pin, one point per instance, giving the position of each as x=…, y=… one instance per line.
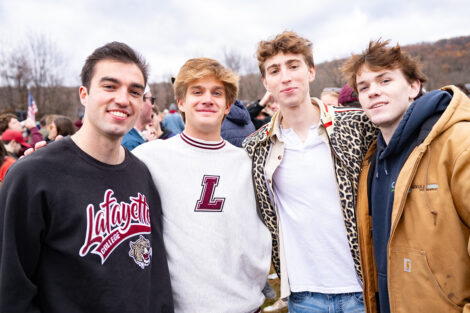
x=279, y=157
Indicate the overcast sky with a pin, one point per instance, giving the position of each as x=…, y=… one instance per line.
x=169, y=32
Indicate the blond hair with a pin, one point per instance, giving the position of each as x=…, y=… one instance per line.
x=198, y=68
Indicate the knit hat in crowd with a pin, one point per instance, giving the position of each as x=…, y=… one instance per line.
x=346, y=95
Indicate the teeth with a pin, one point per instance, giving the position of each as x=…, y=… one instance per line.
x=118, y=113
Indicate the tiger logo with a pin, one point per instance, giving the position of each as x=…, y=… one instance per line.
x=141, y=251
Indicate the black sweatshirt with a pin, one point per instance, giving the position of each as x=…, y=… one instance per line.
x=76, y=235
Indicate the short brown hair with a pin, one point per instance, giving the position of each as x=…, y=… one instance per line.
x=116, y=51
x=64, y=125
x=198, y=68
x=380, y=56
x=286, y=42
x=5, y=120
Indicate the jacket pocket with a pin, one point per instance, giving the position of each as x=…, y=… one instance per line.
x=412, y=285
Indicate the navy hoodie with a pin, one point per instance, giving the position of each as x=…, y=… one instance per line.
x=237, y=124
x=389, y=160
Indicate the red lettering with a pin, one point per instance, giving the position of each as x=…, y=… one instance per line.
x=207, y=202
x=113, y=223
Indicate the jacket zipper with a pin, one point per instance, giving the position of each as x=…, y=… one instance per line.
x=400, y=213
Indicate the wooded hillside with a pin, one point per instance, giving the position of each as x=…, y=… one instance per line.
x=446, y=61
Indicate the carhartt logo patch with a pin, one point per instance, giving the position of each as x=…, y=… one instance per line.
x=429, y=187
x=407, y=265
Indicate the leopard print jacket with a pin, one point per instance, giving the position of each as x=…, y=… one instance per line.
x=350, y=134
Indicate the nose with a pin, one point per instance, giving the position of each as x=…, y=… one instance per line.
x=374, y=90
x=122, y=97
x=207, y=98
x=285, y=75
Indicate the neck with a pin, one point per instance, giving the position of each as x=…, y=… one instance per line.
x=300, y=118
x=140, y=126
x=104, y=149
x=212, y=135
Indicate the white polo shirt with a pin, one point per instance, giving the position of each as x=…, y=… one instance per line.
x=317, y=252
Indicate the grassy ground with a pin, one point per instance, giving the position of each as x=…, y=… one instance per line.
x=275, y=283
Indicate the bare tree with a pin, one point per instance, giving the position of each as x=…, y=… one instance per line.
x=47, y=65
x=233, y=60
x=38, y=64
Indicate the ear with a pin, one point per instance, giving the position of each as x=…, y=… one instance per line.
x=180, y=104
x=265, y=84
x=311, y=74
x=414, y=89
x=227, y=108
x=83, y=94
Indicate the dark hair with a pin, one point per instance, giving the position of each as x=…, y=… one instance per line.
x=286, y=42
x=3, y=153
x=116, y=51
x=5, y=120
x=64, y=126
x=381, y=56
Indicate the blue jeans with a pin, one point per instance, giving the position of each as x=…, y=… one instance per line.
x=313, y=302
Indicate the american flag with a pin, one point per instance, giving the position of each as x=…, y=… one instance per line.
x=32, y=108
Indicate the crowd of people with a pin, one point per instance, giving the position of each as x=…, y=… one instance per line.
x=357, y=199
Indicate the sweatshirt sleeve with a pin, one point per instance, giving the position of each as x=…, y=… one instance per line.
x=35, y=136
x=22, y=228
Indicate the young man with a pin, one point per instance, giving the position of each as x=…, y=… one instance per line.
x=306, y=164
x=135, y=136
x=218, y=249
x=414, y=187
x=80, y=220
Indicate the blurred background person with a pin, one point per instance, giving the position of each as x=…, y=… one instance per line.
x=14, y=143
x=6, y=160
x=9, y=121
x=348, y=97
x=46, y=122
x=329, y=96
x=155, y=130
x=262, y=110
x=237, y=125
x=135, y=137
x=61, y=125
x=173, y=120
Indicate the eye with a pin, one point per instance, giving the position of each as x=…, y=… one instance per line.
x=363, y=88
x=386, y=80
x=273, y=71
x=108, y=87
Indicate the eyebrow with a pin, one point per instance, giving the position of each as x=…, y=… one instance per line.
x=375, y=77
x=116, y=81
x=290, y=61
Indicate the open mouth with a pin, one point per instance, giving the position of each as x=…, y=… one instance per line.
x=118, y=114
x=377, y=105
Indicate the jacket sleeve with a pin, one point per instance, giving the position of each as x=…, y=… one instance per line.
x=460, y=188
x=22, y=227
x=35, y=136
x=254, y=108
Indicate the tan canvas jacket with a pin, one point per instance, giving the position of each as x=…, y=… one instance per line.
x=429, y=247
